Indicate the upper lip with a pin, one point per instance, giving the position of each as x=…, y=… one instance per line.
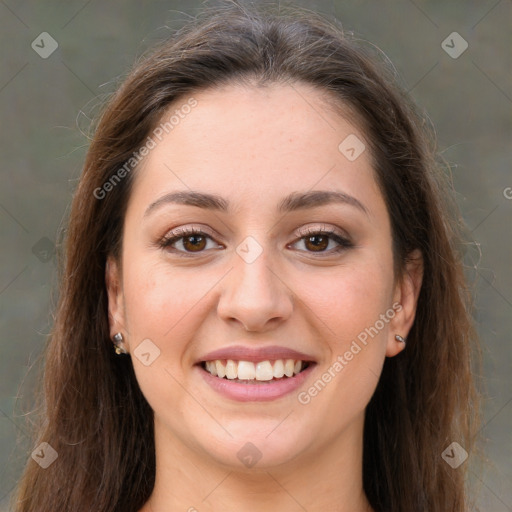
x=254, y=354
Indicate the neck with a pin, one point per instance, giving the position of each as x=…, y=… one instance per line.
x=329, y=479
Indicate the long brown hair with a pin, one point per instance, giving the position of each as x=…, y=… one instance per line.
x=95, y=415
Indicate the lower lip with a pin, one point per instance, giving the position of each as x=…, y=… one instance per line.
x=264, y=392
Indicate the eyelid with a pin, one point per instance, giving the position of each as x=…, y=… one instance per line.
x=322, y=229
x=190, y=230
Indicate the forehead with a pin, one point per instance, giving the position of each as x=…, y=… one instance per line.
x=257, y=144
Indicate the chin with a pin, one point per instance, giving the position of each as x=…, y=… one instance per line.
x=254, y=449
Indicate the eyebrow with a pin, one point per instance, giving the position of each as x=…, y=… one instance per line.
x=293, y=202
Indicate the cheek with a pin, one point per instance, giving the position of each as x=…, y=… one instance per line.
x=168, y=306
x=355, y=338
x=349, y=301
x=163, y=305
x=348, y=298
x=158, y=299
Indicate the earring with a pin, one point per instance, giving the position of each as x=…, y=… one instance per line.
x=118, y=339
x=400, y=339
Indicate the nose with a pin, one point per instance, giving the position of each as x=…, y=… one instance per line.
x=255, y=295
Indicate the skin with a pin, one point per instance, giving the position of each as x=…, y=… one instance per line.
x=253, y=146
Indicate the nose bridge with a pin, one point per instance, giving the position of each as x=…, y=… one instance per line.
x=254, y=294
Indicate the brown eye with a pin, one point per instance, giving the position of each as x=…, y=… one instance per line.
x=323, y=242
x=185, y=242
x=194, y=243
x=317, y=242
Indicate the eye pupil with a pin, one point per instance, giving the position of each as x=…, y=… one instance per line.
x=197, y=241
x=318, y=245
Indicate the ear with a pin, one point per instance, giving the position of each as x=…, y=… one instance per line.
x=116, y=310
x=407, y=291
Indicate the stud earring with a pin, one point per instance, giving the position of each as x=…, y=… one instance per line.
x=118, y=340
x=400, y=339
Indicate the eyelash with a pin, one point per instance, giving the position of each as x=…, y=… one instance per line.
x=182, y=233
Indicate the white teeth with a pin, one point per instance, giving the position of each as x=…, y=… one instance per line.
x=211, y=367
x=264, y=371
x=247, y=370
x=279, y=369
x=221, y=369
x=231, y=369
x=289, y=367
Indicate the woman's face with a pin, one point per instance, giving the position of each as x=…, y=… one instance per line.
x=291, y=259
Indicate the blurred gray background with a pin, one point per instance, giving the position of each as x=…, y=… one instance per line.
x=46, y=105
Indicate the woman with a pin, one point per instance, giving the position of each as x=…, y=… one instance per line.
x=262, y=306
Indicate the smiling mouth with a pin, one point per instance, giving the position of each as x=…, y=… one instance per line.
x=261, y=372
